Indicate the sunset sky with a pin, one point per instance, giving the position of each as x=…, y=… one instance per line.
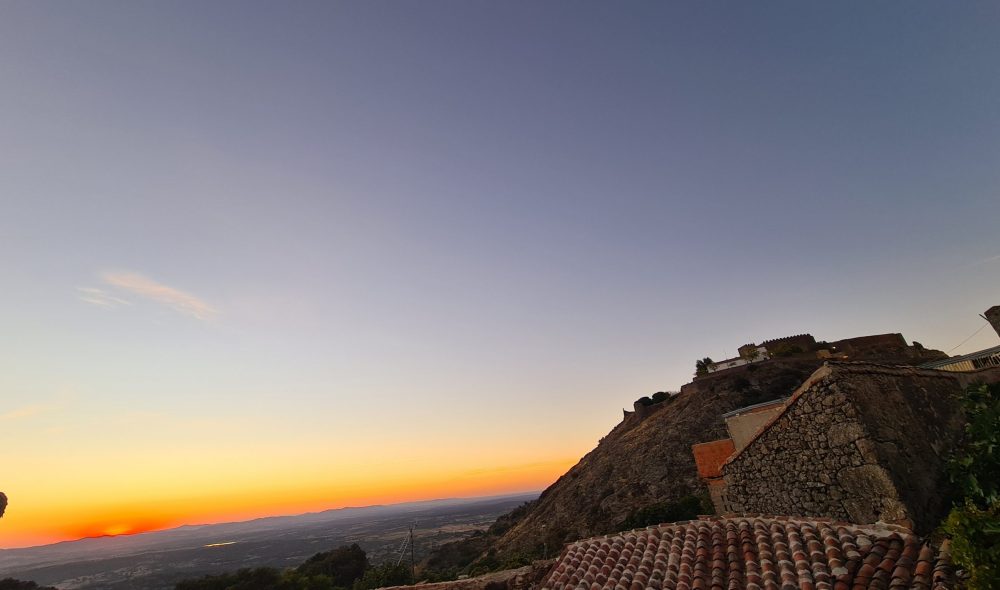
x=268, y=258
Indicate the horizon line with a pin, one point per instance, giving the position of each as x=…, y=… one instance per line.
x=206, y=524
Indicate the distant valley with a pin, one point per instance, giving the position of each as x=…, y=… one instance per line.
x=157, y=560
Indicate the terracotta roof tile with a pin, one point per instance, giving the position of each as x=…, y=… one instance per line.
x=753, y=553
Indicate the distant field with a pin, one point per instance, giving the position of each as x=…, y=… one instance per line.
x=156, y=561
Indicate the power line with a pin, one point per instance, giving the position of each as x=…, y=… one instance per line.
x=969, y=338
x=408, y=542
x=402, y=548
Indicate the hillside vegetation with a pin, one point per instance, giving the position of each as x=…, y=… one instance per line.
x=344, y=568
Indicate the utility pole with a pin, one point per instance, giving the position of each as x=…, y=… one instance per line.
x=413, y=567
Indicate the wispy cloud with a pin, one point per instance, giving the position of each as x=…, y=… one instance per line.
x=145, y=287
x=121, y=285
x=100, y=297
x=986, y=260
x=24, y=412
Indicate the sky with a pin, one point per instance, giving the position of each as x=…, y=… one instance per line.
x=267, y=258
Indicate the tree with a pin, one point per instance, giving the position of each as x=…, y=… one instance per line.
x=342, y=565
x=387, y=574
x=701, y=367
x=974, y=468
x=261, y=578
x=340, y=568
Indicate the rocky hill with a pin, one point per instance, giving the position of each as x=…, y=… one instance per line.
x=646, y=459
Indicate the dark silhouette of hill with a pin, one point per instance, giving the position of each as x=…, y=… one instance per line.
x=12, y=584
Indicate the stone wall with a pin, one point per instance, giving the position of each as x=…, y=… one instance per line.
x=887, y=349
x=523, y=578
x=802, y=341
x=858, y=442
x=914, y=421
x=875, y=346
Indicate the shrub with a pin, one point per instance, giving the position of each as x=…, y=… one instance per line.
x=686, y=508
x=387, y=574
x=342, y=565
x=261, y=578
x=339, y=568
x=975, y=538
x=975, y=467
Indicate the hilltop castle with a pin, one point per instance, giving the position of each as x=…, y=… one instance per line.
x=890, y=348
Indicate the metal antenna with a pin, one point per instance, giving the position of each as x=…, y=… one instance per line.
x=413, y=566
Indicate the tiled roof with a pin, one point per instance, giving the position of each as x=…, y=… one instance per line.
x=752, y=553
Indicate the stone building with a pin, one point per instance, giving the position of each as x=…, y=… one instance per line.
x=856, y=441
x=741, y=424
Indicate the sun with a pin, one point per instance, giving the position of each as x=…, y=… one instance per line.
x=116, y=529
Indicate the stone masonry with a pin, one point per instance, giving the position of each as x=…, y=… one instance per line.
x=859, y=442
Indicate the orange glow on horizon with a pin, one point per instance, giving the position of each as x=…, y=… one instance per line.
x=30, y=526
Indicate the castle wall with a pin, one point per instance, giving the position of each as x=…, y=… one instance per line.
x=803, y=341
x=876, y=346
